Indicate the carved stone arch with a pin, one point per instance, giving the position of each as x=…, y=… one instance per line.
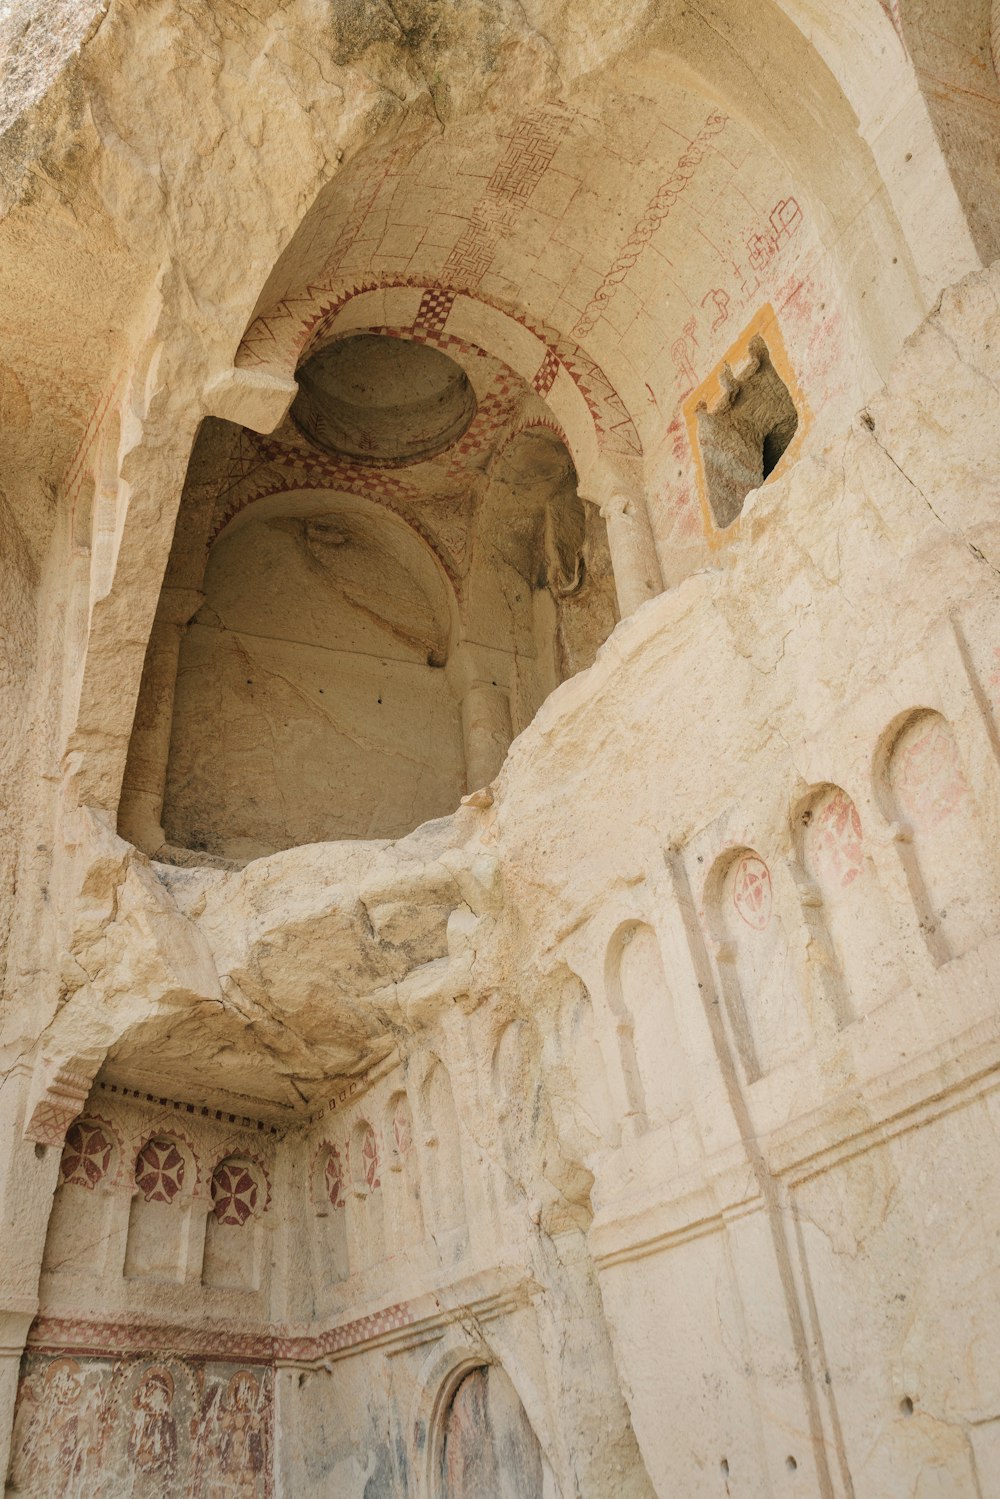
x=445, y=1207
x=167, y=1181
x=588, y=413
x=576, y=1065
x=193, y=1183
x=583, y=400
x=240, y=1196
x=368, y=615
x=829, y=868
x=923, y=788
x=536, y=424
x=78, y=1235
x=401, y=1172
x=639, y=996
x=366, y=1198
x=435, y=1385
x=325, y=1187
x=277, y=502
x=515, y=1085
x=750, y=931
x=88, y=1146
x=329, y=1190
x=438, y=1382
x=250, y=1158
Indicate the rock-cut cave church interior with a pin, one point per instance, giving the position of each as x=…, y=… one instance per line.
x=500, y=755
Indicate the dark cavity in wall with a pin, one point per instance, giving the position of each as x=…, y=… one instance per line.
x=745, y=435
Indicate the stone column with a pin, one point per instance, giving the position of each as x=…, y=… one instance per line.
x=479, y=677
x=140, y=818
x=633, y=552
x=487, y=730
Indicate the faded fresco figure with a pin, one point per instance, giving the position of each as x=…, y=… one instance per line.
x=152, y=1443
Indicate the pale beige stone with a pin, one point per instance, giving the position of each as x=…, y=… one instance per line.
x=500, y=655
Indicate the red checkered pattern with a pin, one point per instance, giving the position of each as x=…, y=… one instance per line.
x=545, y=376
x=612, y=421
x=496, y=411
x=432, y=314
x=80, y=1335
x=347, y=1335
x=76, y=1335
x=288, y=464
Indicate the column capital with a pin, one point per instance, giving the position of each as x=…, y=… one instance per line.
x=615, y=486
x=177, y=606
x=254, y=398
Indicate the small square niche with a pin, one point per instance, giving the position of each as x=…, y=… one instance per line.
x=745, y=433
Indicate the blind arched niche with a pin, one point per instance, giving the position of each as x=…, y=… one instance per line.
x=311, y=701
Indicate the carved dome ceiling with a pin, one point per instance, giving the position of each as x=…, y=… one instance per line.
x=383, y=400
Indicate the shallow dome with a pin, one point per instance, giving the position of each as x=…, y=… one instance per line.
x=383, y=400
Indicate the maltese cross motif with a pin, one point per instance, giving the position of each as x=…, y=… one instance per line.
x=752, y=892
x=86, y=1156
x=159, y=1171
x=234, y=1193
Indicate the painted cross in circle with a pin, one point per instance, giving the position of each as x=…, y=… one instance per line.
x=159, y=1171
x=234, y=1192
x=86, y=1155
x=752, y=892
x=928, y=776
x=838, y=839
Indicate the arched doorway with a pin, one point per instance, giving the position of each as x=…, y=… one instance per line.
x=489, y=1449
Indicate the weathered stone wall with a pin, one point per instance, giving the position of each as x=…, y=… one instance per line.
x=629, y=1128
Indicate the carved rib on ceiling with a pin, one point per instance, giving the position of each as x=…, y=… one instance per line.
x=281, y=338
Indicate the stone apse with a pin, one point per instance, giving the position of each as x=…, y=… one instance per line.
x=500, y=650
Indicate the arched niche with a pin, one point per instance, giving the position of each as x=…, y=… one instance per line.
x=754, y=962
x=328, y=1190
x=402, y=1177
x=240, y=1194
x=572, y=393
x=443, y=1154
x=349, y=656
x=77, y=1237
x=950, y=871
x=488, y=1448
x=159, y=1226
x=312, y=701
x=850, y=920
x=651, y=1056
x=367, y=1202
